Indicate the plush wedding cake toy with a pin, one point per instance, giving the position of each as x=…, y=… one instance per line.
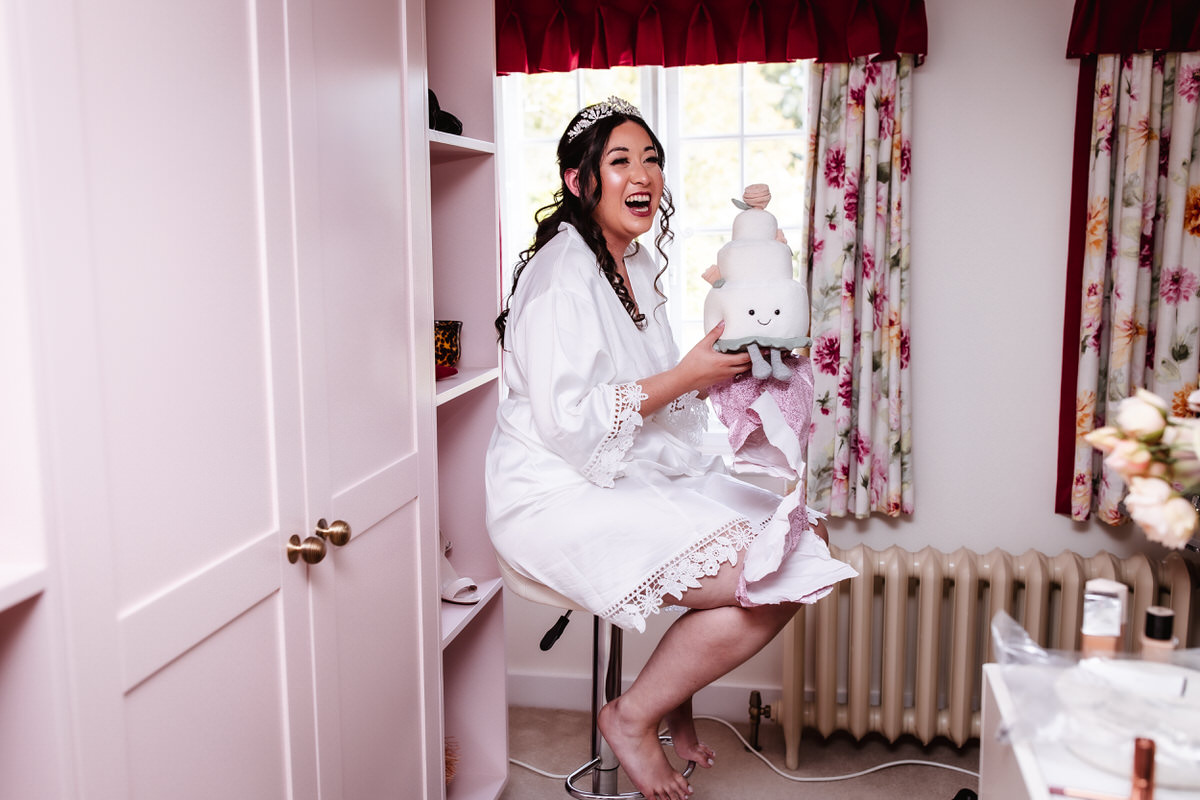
x=767, y=410
x=765, y=310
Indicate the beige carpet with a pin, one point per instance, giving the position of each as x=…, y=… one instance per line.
x=559, y=741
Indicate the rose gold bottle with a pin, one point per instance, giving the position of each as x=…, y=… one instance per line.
x=1143, y=769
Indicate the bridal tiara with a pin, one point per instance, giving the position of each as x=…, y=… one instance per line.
x=598, y=111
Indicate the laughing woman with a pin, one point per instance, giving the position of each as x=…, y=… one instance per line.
x=595, y=483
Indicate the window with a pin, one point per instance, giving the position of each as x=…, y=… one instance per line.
x=722, y=127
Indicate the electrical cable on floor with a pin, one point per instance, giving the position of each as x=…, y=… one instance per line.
x=541, y=772
x=876, y=768
x=781, y=773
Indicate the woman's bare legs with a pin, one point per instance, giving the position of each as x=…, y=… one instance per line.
x=704, y=644
x=682, y=727
x=680, y=722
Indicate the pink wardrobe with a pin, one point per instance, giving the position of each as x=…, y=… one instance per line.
x=225, y=234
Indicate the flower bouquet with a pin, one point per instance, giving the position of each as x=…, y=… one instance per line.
x=1155, y=453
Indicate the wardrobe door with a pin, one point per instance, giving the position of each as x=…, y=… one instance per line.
x=229, y=332
x=367, y=398
x=161, y=203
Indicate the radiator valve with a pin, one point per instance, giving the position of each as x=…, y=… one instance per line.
x=758, y=712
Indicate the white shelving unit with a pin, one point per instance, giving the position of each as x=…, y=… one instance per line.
x=465, y=229
x=33, y=736
x=20, y=582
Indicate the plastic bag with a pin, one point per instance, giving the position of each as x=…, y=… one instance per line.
x=1096, y=707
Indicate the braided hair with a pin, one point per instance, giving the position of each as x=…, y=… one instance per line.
x=584, y=153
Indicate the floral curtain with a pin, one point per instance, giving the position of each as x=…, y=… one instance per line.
x=1139, y=314
x=858, y=240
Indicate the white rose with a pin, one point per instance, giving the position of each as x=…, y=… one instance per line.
x=1152, y=399
x=1193, y=401
x=1129, y=457
x=1176, y=434
x=1103, y=439
x=1141, y=416
x=1148, y=492
x=1162, y=514
x=1182, y=438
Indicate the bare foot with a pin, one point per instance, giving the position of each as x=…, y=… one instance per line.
x=682, y=727
x=637, y=748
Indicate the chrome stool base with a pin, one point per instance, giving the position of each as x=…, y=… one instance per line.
x=604, y=780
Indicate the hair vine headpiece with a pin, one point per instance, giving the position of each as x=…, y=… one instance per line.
x=598, y=111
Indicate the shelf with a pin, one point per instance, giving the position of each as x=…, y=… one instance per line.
x=20, y=582
x=467, y=379
x=455, y=617
x=448, y=147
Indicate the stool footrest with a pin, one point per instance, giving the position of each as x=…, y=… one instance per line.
x=594, y=765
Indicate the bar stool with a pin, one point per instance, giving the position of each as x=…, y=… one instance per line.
x=606, y=686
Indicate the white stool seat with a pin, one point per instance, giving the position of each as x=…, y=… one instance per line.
x=533, y=591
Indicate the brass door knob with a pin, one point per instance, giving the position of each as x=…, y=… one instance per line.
x=312, y=549
x=336, y=533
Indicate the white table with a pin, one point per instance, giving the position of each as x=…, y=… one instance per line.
x=1024, y=768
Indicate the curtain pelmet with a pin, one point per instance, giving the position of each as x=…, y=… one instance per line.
x=1123, y=27
x=558, y=36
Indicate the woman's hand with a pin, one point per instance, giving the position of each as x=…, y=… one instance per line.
x=699, y=369
x=702, y=366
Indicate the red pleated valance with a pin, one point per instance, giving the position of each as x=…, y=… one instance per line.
x=562, y=35
x=1122, y=27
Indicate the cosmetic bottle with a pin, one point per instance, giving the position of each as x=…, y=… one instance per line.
x=1103, y=630
x=1143, y=770
x=1158, y=639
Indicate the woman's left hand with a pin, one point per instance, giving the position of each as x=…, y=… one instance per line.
x=700, y=368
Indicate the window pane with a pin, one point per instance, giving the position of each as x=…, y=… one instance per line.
x=711, y=176
x=699, y=252
x=548, y=103
x=600, y=84
x=795, y=240
x=775, y=97
x=708, y=100
x=532, y=184
x=779, y=162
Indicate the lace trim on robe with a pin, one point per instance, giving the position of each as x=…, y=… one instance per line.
x=704, y=559
x=608, y=460
x=686, y=417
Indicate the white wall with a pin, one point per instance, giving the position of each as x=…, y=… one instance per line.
x=994, y=109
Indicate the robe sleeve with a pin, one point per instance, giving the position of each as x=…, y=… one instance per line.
x=582, y=409
x=686, y=417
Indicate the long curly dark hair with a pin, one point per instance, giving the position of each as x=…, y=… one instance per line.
x=584, y=153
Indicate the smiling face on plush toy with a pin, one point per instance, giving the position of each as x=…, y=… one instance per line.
x=765, y=316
